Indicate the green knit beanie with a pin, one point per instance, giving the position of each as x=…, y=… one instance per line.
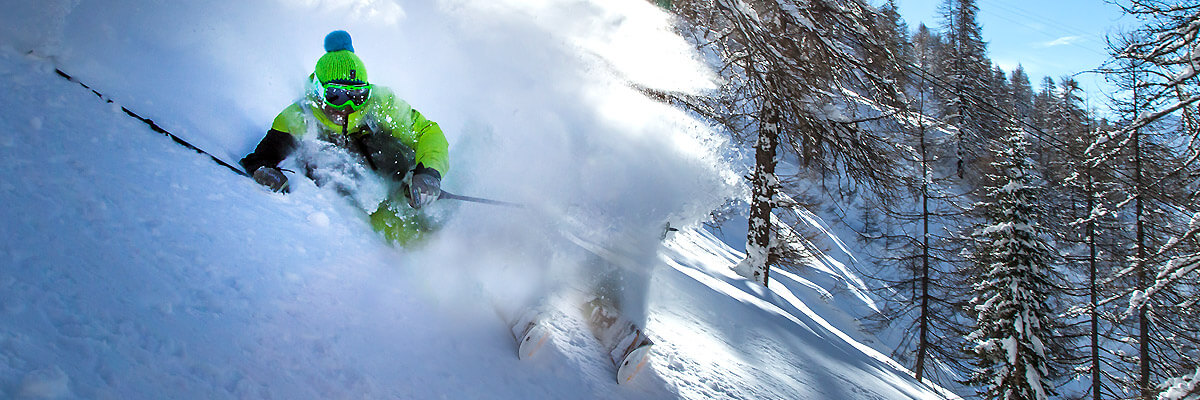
x=339, y=62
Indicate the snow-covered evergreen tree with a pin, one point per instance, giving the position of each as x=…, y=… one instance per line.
x=1012, y=316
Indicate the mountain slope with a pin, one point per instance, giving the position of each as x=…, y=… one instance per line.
x=135, y=268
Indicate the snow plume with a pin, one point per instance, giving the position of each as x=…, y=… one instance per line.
x=616, y=183
x=600, y=166
x=533, y=96
x=335, y=168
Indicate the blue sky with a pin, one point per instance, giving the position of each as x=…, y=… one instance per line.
x=1048, y=37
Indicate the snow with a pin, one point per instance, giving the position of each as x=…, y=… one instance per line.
x=1181, y=388
x=44, y=384
x=132, y=267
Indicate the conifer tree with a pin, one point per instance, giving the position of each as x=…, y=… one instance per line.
x=999, y=108
x=917, y=256
x=895, y=42
x=1022, y=95
x=799, y=71
x=1045, y=105
x=967, y=72
x=928, y=52
x=1088, y=236
x=1012, y=317
x=1154, y=67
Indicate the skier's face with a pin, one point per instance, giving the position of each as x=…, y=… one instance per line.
x=336, y=115
x=346, y=95
x=339, y=98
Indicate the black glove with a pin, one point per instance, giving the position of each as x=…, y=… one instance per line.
x=425, y=187
x=271, y=177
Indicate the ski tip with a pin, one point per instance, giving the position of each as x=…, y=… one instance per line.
x=532, y=341
x=633, y=364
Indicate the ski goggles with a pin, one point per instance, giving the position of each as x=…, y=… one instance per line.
x=339, y=95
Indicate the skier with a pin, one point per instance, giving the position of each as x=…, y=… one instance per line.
x=343, y=108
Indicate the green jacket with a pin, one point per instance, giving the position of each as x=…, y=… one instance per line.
x=383, y=122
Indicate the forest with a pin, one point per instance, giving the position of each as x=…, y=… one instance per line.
x=1026, y=245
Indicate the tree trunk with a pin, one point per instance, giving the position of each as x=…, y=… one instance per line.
x=759, y=255
x=923, y=340
x=1093, y=276
x=1143, y=280
x=1139, y=210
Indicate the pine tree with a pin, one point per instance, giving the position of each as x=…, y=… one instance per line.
x=967, y=71
x=1022, y=95
x=1166, y=47
x=1096, y=254
x=1065, y=127
x=895, y=42
x=928, y=51
x=1045, y=105
x=1012, y=318
x=1000, y=108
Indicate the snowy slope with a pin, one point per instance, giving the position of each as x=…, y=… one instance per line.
x=131, y=267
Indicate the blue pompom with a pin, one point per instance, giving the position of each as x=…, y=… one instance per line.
x=337, y=41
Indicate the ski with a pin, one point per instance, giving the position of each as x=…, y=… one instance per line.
x=530, y=333
x=633, y=362
x=534, y=337
x=629, y=346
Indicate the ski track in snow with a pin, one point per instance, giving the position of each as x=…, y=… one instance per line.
x=131, y=267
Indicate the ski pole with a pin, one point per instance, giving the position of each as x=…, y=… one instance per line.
x=154, y=126
x=451, y=196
